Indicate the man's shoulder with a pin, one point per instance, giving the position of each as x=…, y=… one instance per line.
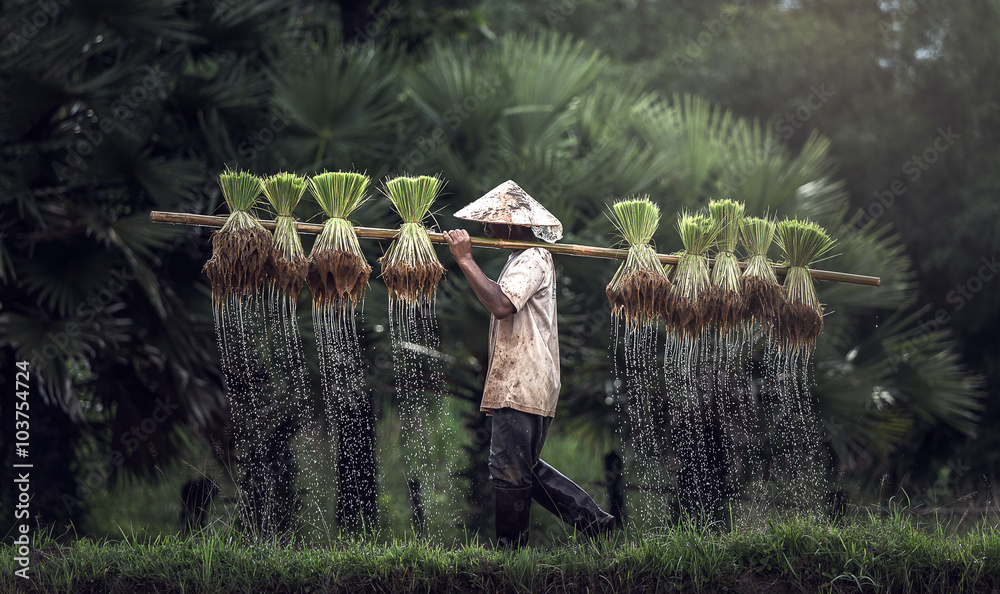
x=535, y=254
x=534, y=258
x=532, y=264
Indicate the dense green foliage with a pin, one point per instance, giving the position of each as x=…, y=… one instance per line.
x=913, y=126
x=809, y=109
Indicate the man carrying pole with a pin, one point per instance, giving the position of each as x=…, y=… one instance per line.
x=522, y=381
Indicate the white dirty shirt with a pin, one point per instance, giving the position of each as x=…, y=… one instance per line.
x=524, y=347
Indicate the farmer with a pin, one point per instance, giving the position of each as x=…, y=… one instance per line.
x=522, y=382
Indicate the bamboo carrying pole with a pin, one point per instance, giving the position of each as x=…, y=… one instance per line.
x=196, y=220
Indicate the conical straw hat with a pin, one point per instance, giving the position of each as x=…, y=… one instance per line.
x=508, y=203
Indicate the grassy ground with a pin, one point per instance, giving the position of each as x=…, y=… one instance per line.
x=153, y=505
x=867, y=554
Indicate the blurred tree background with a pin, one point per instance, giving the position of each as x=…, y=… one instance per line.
x=876, y=119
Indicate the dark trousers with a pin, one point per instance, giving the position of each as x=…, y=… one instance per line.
x=516, y=447
x=516, y=466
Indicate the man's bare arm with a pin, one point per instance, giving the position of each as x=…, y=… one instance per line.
x=489, y=292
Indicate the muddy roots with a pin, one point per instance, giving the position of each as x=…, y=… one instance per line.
x=800, y=324
x=412, y=283
x=763, y=301
x=336, y=276
x=723, y=309
x=639, y=296
x=288, y=275
x=239, y=263
x=685, y=316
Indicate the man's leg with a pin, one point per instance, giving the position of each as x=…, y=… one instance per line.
x=515, y=446
x=562, y=497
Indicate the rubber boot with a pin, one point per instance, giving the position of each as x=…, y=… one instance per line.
x=513, y=517
x=558, y=494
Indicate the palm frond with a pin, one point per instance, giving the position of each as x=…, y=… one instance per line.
x=873, y=249
x=341, y=105
x=700, y=133
x=242, y=25
x=460, y=91
x=761, y=171
x=545, y=74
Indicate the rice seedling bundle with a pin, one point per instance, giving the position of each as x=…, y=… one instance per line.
x=289, y=266
x=338, y=272
x=802, y=242
x=724, y=301
x=762, y=294
x=686, y=308
x=639, y=289
x=241, y=249
x=410, y=267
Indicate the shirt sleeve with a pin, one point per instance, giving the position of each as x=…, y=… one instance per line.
x=523, y=277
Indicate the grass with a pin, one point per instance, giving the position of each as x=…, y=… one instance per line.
x=338, y=272
x=339, y=193
x=727, y=216
x=153, y=505
x=639, y=290
x=691, y=275
x=283, y=191
x=289, y=267
x=761, y=291
x=410, y=268
x=240, y=189
x=241, y=249
x=636, y=219
x=412, y=197
x=757, y=235
x=725, y=307
x=802, y=242
x=867, y=554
